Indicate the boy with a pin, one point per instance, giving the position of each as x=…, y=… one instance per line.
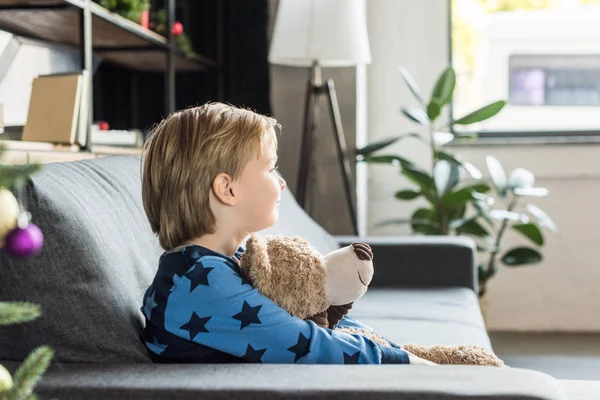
x=209, y=180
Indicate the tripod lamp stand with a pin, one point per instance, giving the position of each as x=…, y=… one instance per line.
x=318, y=34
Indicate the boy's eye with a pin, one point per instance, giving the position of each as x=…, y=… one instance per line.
x=276, y=169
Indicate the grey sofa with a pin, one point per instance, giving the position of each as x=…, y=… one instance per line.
x=100, y=255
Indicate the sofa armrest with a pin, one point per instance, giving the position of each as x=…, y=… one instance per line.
x=421, y=261
x=256, y=381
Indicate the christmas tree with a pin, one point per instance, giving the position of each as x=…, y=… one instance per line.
x=19, y=238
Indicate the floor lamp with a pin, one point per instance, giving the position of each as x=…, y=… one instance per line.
x=318, y=34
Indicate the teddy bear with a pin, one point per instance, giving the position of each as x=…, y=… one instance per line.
x=310, y=286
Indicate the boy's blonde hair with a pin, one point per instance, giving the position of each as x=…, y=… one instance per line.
x=183, y=156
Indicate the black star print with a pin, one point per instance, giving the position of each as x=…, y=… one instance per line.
x=248, y=315
x=195, y=325
x=254, y=356
x=351, y=359
x=198, y=276
x=244, y=281
x=301, y=348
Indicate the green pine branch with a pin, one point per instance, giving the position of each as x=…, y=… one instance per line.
x=29, y=373
x=15, y=312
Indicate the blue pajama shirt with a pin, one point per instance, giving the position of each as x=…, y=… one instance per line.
x=199, y=309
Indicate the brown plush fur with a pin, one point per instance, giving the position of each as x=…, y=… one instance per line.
x=295, y=280
x=466, y=355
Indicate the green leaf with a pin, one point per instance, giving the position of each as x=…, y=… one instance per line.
x=472, y=227
x=416, y=114
x=482, y=114
x=407, y=194
x=388, y=222
x=373, y=147
x=470, y=168
x=531, y=232
x=445, y=176
x=14, y=312
x=433, y=111
x=31, y=371
x=424, y=220
x=387, y=159
x=521, y=256
x=9, y=174
x=456, y=212
x=421, y=178
x=412, y=85
x=444, y=87
x=464, y=194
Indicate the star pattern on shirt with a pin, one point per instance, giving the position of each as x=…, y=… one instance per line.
x=156, y=346
x=351, y=359
x=198, y=276
x=195, y=325
x=150, y=305
x=301, y=348
x=252, y=355
x=248, y=315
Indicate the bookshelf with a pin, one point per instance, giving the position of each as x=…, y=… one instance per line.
x=93, y=29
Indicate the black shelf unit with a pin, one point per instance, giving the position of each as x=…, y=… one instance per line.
x=115, y=39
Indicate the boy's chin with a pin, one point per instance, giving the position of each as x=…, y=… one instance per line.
x=268, y=223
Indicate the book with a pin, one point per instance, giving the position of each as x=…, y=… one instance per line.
x=55, y=108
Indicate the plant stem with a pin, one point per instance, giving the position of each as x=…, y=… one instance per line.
x=441, y=211
x=492, y=261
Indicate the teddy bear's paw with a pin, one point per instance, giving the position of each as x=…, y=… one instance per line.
x=363, y=251
x=464, y=355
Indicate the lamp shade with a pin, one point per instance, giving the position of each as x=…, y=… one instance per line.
x=330, y=32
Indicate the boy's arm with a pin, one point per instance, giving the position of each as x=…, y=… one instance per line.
x=214, y=306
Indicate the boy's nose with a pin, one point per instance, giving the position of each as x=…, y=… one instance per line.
x=282, y=183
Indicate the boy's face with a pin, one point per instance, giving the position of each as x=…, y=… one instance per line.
x=259, y=190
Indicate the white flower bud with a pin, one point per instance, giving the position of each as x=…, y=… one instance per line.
x=521, y=178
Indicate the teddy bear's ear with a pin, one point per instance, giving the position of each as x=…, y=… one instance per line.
x=255, y=263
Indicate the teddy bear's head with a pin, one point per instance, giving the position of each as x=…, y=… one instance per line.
x=293, y=274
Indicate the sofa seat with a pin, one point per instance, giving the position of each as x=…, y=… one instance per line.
x=427, y=316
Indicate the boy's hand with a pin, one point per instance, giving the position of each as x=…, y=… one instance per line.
x=414, y=360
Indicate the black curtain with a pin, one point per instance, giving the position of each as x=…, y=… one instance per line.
x=245, y=70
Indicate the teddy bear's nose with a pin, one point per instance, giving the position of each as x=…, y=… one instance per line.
x=363, y=251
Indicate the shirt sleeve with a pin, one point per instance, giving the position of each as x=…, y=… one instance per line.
x=214, y=306
x=349, y=322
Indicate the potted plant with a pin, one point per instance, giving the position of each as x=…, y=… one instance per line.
x=458, y=200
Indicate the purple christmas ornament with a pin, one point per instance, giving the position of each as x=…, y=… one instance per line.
x=24, y=242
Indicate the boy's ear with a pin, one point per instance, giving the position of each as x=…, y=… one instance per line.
x=222, y=188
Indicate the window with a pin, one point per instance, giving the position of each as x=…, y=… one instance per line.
x=541, y=56
x=544, y=80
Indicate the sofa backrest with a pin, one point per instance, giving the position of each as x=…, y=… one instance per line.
x=99, y=257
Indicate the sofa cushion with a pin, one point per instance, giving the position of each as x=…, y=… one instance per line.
x=444, y=316
x=98, y=258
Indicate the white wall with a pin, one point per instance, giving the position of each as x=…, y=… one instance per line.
x=561, y=293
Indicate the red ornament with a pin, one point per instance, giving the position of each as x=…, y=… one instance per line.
x=24, y=242
x=103, y=126
x=177, y=29
x=145, y=19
